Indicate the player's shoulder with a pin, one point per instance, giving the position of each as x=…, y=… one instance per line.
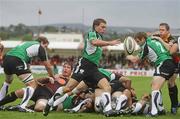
x=91, y=31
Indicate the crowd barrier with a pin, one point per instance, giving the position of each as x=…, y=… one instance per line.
x=130, y=72
x=38, y=69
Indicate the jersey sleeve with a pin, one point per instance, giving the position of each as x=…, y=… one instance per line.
x=92, y=35
x=42, y=54
x=144, y=52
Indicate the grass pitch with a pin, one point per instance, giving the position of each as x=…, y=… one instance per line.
x=140, y=84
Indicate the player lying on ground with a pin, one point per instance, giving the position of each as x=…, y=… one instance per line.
x=45, y=89
x=122, y=94
x=116, y=81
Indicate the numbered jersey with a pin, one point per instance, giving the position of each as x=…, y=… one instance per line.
x=26, y=50
x=154, y=51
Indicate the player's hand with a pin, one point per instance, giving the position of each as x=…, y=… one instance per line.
x=115, y=42
x=51, y=80
x=132, y=58
x=129, y=57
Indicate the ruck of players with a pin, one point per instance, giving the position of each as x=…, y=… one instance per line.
x=87, y=87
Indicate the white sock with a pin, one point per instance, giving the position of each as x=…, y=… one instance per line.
x=78, y=107
x=121, y=102
x=28, y=92
x=146, y=109
x=138, y=107
x=160, y=103
x=56, y=95
x=97, y=107
x=106, y=100
x=4, y=90
x=60, y=100
x=60, y=90
x=155, y=101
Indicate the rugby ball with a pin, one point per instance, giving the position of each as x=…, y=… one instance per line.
x=129, y=45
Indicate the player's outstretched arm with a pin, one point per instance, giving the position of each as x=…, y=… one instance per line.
x=166, y=45
x=105, y=43
x=48, y=68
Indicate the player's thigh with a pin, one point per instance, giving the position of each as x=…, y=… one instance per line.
x=72, y=83
x=98, y=92
x=117, y=94
x=81, y=86
x=104, y=84
x=157, y=82
x=172, y=80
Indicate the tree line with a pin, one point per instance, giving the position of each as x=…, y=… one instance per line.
x=24, y=32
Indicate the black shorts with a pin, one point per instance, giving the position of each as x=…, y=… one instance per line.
x=88, y=72
x=41, y=92
x=116, y=85
x=14, y=65
x=166, y=69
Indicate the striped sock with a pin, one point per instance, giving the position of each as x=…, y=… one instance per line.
x=28, y=92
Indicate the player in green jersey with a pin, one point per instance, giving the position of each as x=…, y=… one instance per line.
x=87, y=66
x=17, y=61
x=157, y=54
x=171, y=45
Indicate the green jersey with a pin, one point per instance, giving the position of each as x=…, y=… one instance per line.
x=26, y=50
x=154, y=51
x=91, y=52
x=109, y=75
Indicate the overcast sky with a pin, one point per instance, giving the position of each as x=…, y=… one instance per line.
x=139, y=13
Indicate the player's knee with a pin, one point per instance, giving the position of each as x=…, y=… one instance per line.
x=40, y=105
x=28, y=80
x=127, y=92
x=171, y=84
x=8, y=81
x=19, y=93
x=39, y=108
x=107, y=88
x=67, y=89
x=156, y=86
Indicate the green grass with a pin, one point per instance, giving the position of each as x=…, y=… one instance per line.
x=140, y=84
